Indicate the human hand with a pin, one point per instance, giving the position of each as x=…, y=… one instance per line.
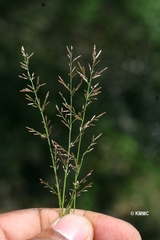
x=42, y=224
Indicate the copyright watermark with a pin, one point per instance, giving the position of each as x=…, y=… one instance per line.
x=139, y=213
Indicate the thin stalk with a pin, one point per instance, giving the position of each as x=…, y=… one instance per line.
x=79, y=163
x=69, y=134
x=47, y=135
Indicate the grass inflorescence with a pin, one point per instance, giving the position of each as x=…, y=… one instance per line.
x=70, y=158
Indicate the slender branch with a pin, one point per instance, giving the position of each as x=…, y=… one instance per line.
x=68, y=160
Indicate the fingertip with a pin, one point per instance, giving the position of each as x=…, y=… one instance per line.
x=108, y=228
x=74, y=227
x=133, y=232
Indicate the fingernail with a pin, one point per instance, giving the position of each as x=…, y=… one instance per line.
x=74, y=227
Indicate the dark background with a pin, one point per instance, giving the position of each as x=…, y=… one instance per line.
x=126, y=161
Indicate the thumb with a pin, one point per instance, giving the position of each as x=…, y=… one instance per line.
x=69, y=227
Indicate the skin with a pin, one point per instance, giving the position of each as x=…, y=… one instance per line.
x=25, y=224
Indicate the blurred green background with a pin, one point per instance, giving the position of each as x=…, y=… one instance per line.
x=126, y=161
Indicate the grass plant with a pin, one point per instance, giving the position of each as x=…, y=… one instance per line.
x=70, y=159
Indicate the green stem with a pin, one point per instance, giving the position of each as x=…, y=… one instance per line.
x=80, y=162
x=47, y=135
x=69, y=138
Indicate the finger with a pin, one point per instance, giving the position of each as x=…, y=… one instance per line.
x=110, y=228
x=69, y=227
x=23, y=224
